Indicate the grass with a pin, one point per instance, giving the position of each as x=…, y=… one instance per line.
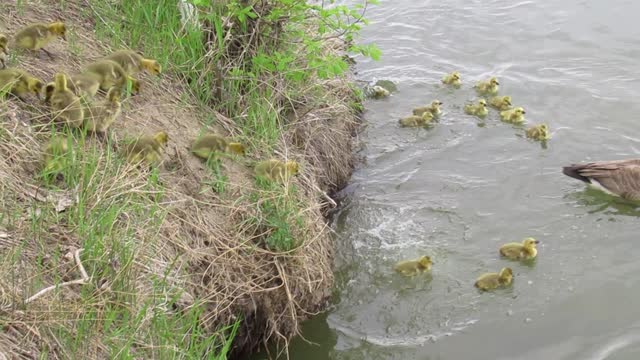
x=109, y=198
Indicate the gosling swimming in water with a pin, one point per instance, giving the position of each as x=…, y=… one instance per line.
x=489, y=87
x=452, y=79
x=490, y=281
x=479, y=109
x=513, y=116
x=501, y=102
x=538, y=132
x=434, y=109
x=416, y=121
x=413, y=267
x=526, y=250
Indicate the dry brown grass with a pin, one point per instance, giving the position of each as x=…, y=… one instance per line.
x=203, y=245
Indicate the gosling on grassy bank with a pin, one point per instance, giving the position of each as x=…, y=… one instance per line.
x=210, y=145
x=147, y=149
x=414, y=267
x=19, y=83
x=36, y=36
x=538, y=132
x=491, y=281
x=526, y=250
x=276, y=170
x=108, y=73
x=501, y=102
x=98, y=117
x=66, y=105
x=513, y=116
x=618, y=177
x=3, y=50
x=452, y=79
x=433, y=108
x=54, y=151
x=133, y=63
x=417, y=121
x=479, y=109
x=489, y=87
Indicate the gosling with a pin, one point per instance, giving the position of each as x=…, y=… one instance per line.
x=108, y=73
x=3, y=50
x=538, y=132
x=98, y=117
x=378, y=92
x=65, y=103
x=434, y=109
x=489, y=87
x=479, y=109
x=414, y=267
x=520, y=251
x=211, y=144
x=147, y=149
x=501, y=102
x=53, y=153
x=452, y=79
x=19, y=83
x=416, y=121
x=490, y=281
x=36, y=36
x=134, y=63
x=513, y=116
x=276, y=170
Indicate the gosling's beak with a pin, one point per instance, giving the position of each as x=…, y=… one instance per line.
x=537, y=242
x=440, y=103
x=64, y=37
x=497, y=83
x=524, y=112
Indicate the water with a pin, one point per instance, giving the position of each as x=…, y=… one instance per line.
x=459, y=191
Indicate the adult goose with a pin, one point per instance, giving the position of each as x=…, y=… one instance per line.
x=619, y=177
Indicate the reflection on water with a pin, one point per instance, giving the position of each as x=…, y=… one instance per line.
x=460, y=190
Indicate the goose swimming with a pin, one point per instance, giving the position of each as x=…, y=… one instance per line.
x=618, y=177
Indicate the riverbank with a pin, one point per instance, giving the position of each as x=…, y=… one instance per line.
x=190, y=259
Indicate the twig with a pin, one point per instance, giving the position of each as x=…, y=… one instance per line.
x=85, y=279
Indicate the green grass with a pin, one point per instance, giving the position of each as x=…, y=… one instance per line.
x=122, y=319
x=279, y=215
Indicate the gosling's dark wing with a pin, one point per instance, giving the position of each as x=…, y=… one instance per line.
x=621, y=177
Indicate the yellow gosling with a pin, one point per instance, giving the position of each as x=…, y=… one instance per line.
x=520, y=251
x=414, y=267
x=491, y=281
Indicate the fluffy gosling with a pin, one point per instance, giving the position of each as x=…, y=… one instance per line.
x=414, y=267
x=538, y=132
x=20, y=83
x=520, y=251
x=501, y=102
x=109, y=73
x=211, y=144
x=3, y=50
x=133, y=63
x=479, y=109
x=36, y=36
x=433, y=108
x=147, y=149
x=452, y=79
x=416, y=121
x=276, y=170
x=489, y=87
x=66, y=105
x=490, y=281
x=513, y=116
x=98, y=117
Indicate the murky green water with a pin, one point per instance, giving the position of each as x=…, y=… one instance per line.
x=459, y=191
